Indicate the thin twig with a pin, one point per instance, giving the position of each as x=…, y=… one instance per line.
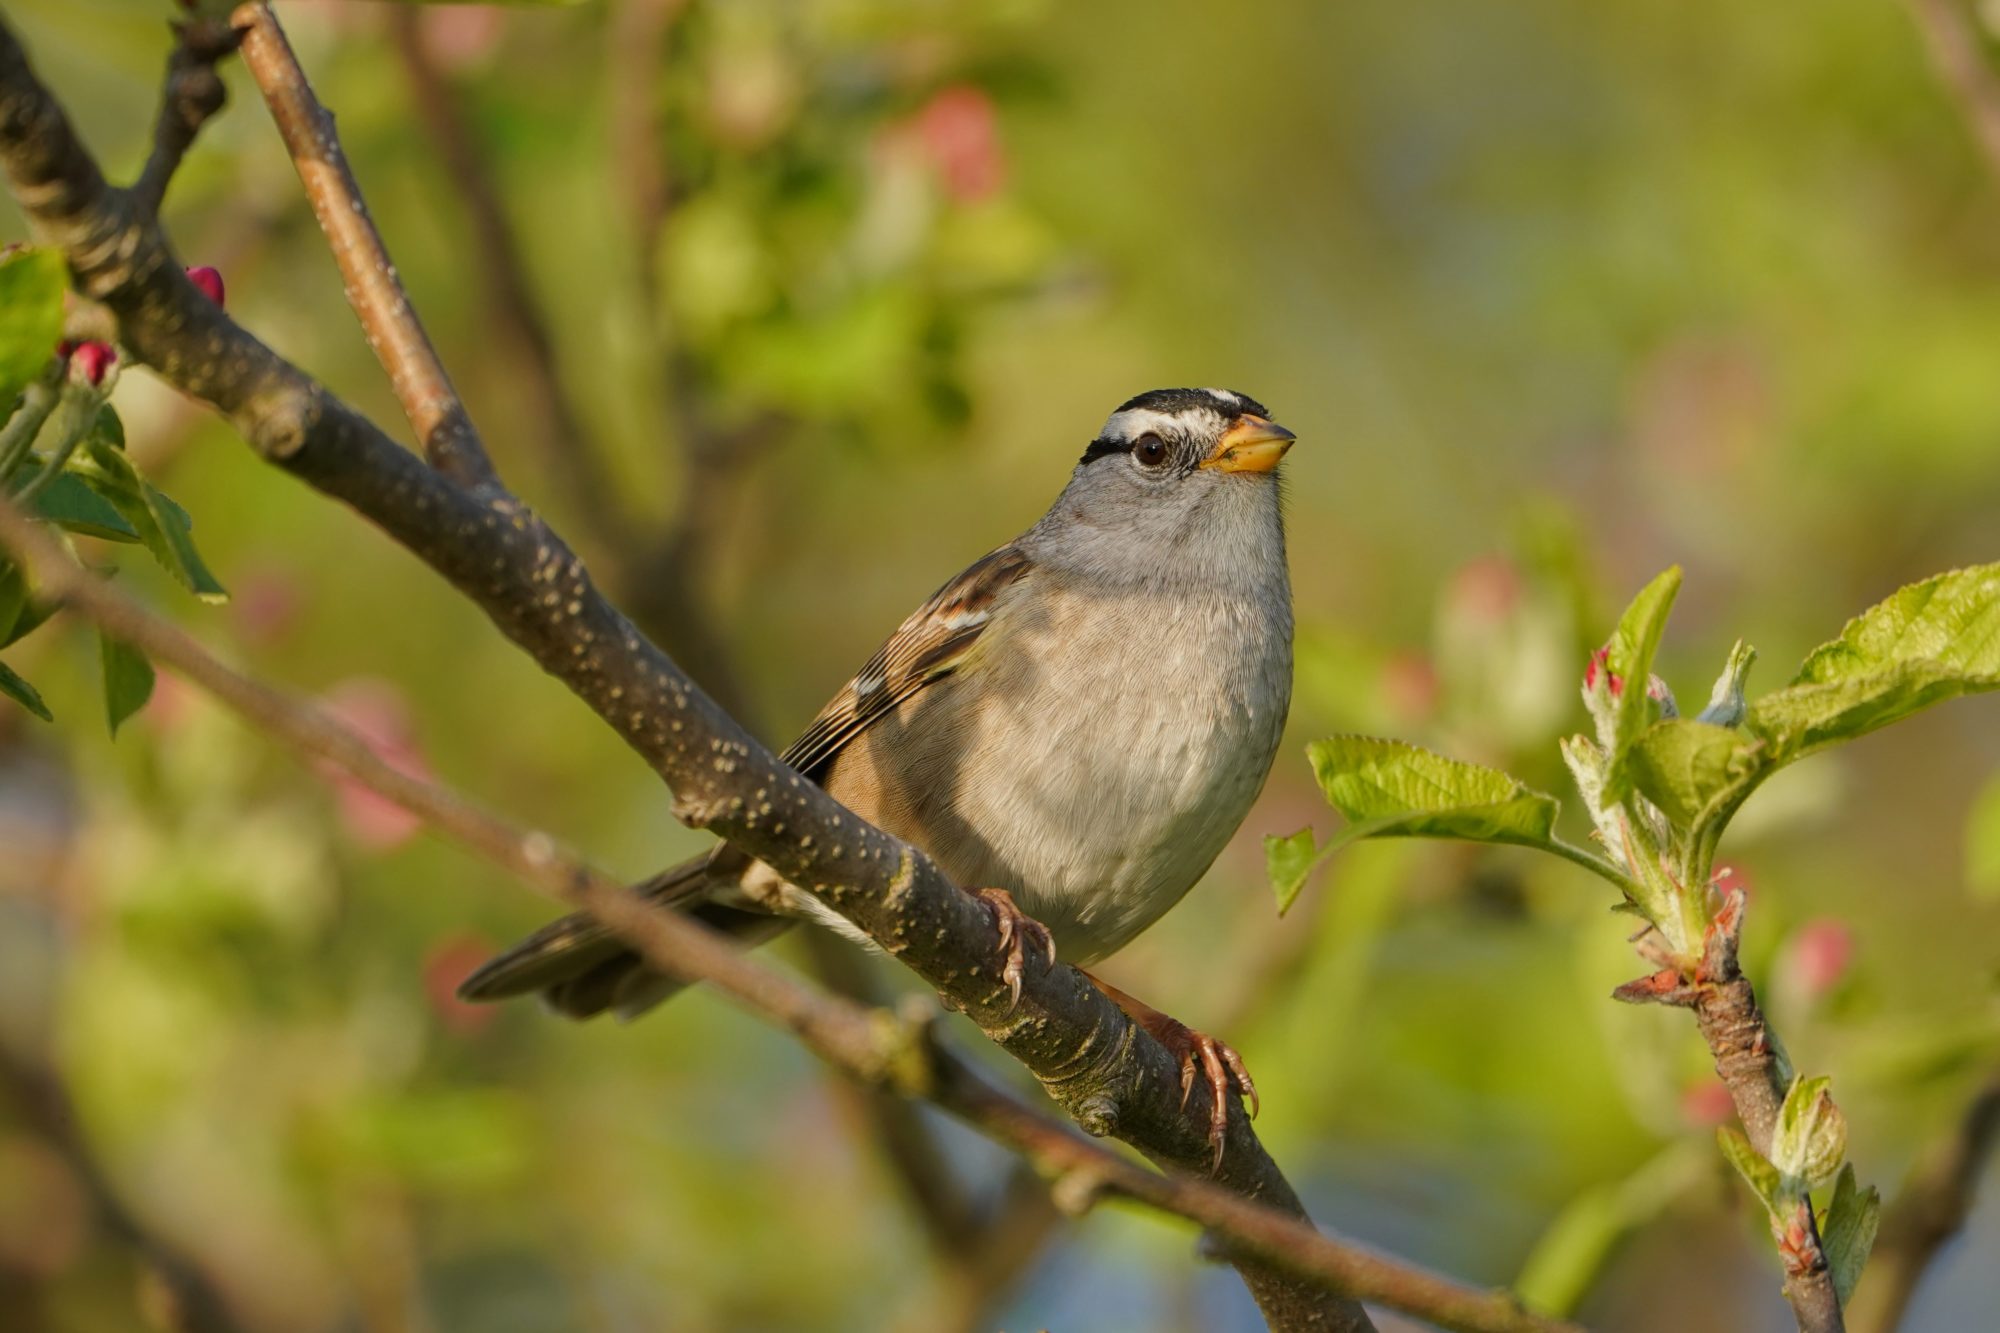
x=1932, y=1208
x=1958, y=54
x=1747, y=1060
x=374, y=289
x=902, y=1055
x=191, y=94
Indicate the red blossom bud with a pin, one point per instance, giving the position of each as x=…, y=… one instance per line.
x=1599, y=662
x=208, y=280
x=90, y=361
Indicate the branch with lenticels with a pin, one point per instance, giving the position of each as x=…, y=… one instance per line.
x=455, y=515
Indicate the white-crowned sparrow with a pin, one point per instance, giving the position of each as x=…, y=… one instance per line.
x=1080, y=720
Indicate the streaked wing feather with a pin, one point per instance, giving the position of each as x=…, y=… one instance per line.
x=926, y=647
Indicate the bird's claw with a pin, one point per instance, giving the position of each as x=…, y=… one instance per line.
x=1220, y=1067
x=1017, y=929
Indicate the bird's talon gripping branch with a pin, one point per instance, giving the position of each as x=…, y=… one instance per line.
x=1017, y=929
x=1220, y=1067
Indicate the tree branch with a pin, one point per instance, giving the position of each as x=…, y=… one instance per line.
x=1932, y=1208
x=1747, y=1061
x=192, y=93
x=374, y=289
x=868, y=1044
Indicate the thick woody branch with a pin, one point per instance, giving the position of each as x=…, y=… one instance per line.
x=1932, y=1208
x=500, y=555
x=900, y=1055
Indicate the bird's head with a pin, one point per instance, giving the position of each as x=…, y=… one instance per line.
x=1174, y=469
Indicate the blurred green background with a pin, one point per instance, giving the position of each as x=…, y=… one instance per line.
x=1555, y=294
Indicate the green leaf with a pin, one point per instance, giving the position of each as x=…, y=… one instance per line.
x=1290, y=862
x=1847, y=1233
x=1811, y=1136
x=1952, y=619
x=1982, y=841
x=32, y=283
x=1931, y=641
x=1760, y=1175
x=128, y=680
x=160, y=523
x=1686, y=767
x=69, y=503
x=108, y=426
x=1389, y=789
x=1629, y=656
x=22, y=693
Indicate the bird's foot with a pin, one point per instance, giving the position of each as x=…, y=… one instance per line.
x=1017, y=931
x=1197, y=1053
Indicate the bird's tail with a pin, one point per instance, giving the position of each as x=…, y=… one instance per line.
x=582, y=969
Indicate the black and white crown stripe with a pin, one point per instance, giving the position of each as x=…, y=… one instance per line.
x=1165, y=412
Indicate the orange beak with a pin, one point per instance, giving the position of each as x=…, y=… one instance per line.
x=1251, y=445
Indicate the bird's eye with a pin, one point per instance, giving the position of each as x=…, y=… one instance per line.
x=1150, y=450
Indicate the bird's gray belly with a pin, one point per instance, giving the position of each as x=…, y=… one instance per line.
x=1097, y=806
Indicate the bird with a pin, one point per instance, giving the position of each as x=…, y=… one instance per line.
x=1072, y=728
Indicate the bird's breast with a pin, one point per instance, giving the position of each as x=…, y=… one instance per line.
x=1093, y=759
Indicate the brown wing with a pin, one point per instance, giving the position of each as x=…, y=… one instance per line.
x=927, y=646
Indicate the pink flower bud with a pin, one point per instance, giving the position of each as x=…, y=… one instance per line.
x=1599, y=663
x=209, y=280
x=91, y=361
